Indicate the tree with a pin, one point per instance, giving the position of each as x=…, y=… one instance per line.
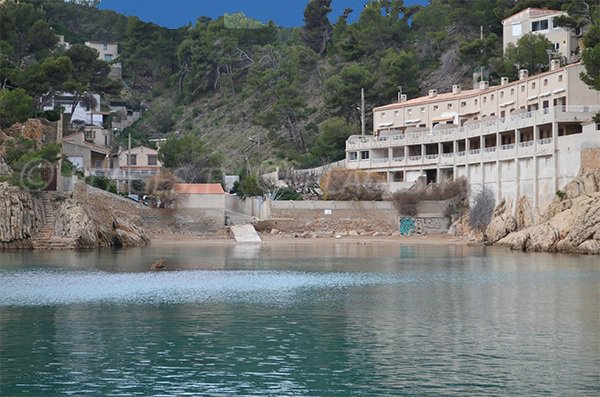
x=317, y=28
x=330, y=144
x=530, y=52
x=398, y=68
x=343, y=90
x=90, y=74
x=480, y=214
x=15, y=106
x=197, y=163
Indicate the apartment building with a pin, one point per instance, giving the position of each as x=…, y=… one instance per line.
x=518, y=138
x=541, y=21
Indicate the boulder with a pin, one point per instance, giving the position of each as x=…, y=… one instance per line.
x=159, y=265
x=523, y=213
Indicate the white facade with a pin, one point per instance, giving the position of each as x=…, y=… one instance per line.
x=84, y=112
x=108, y=52
x=519, y=139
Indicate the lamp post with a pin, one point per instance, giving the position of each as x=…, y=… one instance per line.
x=258, y=157
x=129, y=163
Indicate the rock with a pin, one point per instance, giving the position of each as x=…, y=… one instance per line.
x=502, y=224
x=379, y=234
x=353, y=233
x=589, y=247
x=396, y=234
x=321, y=234
x=274, y=231
x=523, y=213
x=338, y=236
x=516, y=241
x=21, y=216
x=159, y=265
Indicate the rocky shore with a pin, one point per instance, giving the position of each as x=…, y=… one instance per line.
x=85, y=218
x=570, y=224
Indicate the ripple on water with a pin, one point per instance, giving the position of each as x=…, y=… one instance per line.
x=41, y=287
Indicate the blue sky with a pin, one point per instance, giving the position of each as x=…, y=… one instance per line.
x=176, y=13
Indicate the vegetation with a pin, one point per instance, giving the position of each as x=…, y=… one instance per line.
x=351, y=185
x=102, y=182
x=482, y=209
x=407, y=201
x=190, y=160
x=226, y=78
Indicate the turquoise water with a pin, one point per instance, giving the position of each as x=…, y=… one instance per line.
x=300, y=320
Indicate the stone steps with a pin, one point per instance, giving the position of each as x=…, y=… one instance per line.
x=46, y=239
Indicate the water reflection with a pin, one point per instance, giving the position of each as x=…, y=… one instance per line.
x=336, y=320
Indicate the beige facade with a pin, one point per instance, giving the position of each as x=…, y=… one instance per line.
x=519, y=138
x=540, y=21
x=143, y=161
x=108, y=52
x=87, y=150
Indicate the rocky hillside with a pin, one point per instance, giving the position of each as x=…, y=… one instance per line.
x=570, y=224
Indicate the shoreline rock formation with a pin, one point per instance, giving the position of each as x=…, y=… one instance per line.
x=85, y=218
x=570, y=224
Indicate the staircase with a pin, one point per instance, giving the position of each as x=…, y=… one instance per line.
x=45, y=239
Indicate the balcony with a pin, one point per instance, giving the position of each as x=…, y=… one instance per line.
x=398, y=159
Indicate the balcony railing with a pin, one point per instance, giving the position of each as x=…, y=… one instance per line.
x=461, y=153
x=398, y=159
x=545, y=141
x=474, y=151
x=414, y=158
x=117, y=173
x=447, y=154
x=490, y=149
x=432, y=156
x=380, y=160
x=525, y=143
x=508, y=146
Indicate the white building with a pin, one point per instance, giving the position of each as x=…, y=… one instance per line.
x=520, y=138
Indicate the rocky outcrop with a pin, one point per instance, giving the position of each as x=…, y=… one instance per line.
x=91, y=221
x=81, y=219
x=571, y=222
x=503, y=222
x=21, y=216
x=4, y=168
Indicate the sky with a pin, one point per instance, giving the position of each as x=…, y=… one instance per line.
x=177, y=13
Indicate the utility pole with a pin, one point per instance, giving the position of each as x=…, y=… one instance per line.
x=362, y=111
x=129, y=164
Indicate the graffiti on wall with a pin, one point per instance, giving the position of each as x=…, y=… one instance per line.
x=410, y=226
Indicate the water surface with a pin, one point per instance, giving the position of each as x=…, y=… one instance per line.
x=329, y=320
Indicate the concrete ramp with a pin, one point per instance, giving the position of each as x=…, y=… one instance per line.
x=245, y=234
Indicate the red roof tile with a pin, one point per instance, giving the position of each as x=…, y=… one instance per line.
x=199, y=188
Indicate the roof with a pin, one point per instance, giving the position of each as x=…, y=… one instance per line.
x=533, y=13
x=465, y=94
x=199, y=188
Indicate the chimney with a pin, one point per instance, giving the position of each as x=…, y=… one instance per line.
x=403, y=97
x=484, y=85
x=554, y=64
x=523, y=74
x=432, y=93
x=504, y=80
x=456, y=89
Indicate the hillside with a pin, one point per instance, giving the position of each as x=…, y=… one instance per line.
x=232, y=79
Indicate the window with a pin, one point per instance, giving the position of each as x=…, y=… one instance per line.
x=383, y=115
x=560, y=78
x=533, y=85
x=98, y=163
x=396, y=113
x=152, y=159
x=108, y=57
x=352, y=156
x=435, y=107
x=484, y=99
x=105, y=140
x=409, y=111
x=132, y=159
x=476, y=102
x=449, y=106
x=492, y=97
x=539, y=25
x=545, y=82
x=512, y=91
x=364, y=155
x=516, y=29
x=105, y=46
x=523, y=88
x=422, y=109
x=501, y=94
x=556, y=46
x=463, y=104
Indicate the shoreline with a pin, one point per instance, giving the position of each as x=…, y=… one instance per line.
x=431, y=239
